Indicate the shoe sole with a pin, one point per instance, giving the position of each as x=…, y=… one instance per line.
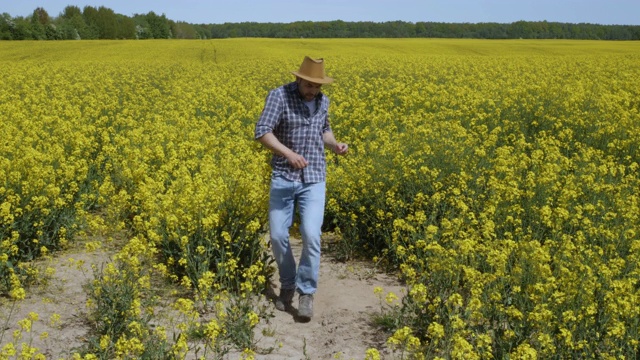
x=304, y=317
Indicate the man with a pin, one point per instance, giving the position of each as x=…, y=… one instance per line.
x=294, y=125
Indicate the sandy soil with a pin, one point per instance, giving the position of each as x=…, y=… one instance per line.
x=340, y=329
x=343, y=306
x=63, y=294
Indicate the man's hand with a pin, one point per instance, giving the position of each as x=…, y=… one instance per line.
x=341, y=148
x=296, y=160
x=330, y=141
x=272, y=143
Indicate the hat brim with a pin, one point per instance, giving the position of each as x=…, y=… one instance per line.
x=324, y=80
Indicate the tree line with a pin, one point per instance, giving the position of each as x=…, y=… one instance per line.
x=103, y=23
x=92, y=23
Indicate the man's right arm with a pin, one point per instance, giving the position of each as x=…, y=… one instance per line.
x=264, y=130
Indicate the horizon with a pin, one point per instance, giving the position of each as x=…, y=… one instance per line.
x=596, y=12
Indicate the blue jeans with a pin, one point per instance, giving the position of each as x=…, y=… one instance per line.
x=309, y=198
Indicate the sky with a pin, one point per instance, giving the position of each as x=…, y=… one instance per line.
x=605, y=12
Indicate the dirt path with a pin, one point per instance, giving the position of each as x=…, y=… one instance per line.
x=60, y=303
x=343, y=306
x=340, y=329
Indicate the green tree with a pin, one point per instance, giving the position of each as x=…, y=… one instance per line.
x=67, y=31
x=36, y=30
x=158, y=25
x=38, y=22
x=555, y=31
x=183, y=30
x=203, y=31
x=126, y=27
x=106, y=23
x=41, y=16
x=6, y=24
x=142, y=27
x=71, y=12
x=21, y=29
x=71, y=23
x=90, y=17
x=518, y=29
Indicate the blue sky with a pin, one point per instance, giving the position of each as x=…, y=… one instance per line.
x=624, y=12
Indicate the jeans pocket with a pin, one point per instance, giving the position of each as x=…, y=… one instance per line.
x=275, y=175
x=278, y=182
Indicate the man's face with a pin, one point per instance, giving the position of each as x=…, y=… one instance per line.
x=308, y=90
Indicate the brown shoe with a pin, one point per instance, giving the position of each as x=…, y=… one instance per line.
x=283, y=302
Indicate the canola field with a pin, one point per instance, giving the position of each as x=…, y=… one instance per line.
x=498, y=179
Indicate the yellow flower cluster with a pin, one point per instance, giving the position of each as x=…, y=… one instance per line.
x=22, y=339
x=503, y=187
x=45, y=166
x=155, y=145
x=499, y=178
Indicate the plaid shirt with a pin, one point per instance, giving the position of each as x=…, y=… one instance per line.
x=289, y=119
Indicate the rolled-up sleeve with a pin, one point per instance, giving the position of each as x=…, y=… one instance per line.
x=270, y=115
x=326, y=126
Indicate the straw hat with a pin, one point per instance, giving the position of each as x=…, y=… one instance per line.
x=313, y=70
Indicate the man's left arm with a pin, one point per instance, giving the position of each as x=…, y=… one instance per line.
x=330, y=141
x=328, y=138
